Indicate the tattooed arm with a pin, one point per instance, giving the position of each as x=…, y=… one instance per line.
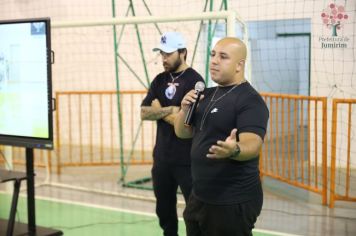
x=156, y=112
x=153, y=113
x=171, y=117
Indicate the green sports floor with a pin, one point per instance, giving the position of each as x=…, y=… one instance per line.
x=79, y=219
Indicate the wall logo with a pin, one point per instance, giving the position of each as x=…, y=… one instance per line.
x=334, y=17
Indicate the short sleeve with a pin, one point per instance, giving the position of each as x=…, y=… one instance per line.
x=151, y=95
x=253, y=117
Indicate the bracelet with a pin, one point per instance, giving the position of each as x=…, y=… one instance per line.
x=236, y=152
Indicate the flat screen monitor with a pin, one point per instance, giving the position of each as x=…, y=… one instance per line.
x=26, y=118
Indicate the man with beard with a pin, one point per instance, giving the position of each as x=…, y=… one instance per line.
x=171, y=155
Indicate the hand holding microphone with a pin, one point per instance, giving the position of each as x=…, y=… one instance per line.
x=191, y=100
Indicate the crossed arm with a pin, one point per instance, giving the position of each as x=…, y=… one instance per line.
x=156, y=112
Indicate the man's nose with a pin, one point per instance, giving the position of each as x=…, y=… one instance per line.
x=213, y=60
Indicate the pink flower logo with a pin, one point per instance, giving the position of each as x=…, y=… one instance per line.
x=334, y=17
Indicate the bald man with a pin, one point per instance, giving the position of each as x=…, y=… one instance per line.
x=228, y=129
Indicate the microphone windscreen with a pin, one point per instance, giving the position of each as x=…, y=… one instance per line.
x=199, y=86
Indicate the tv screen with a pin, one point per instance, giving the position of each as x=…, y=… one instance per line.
x=25, y=83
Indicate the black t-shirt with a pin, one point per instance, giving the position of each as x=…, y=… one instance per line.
x=226, y=181
x=169, y=148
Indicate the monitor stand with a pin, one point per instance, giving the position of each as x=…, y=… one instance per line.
x=30, y=228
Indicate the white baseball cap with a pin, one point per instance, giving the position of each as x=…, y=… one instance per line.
x=170, y=42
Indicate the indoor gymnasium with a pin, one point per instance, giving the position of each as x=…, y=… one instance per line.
x=83, y=121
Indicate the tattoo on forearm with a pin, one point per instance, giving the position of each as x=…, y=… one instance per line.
x=151, y=113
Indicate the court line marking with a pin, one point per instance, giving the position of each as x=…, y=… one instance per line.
x=117, y=209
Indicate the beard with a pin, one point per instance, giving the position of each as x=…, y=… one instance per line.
x=173, y=68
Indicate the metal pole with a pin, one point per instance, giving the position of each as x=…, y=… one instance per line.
x=208, y=47
x=140, y=44
x=198, y=36
x=118, y=93
x=31, y=209
x=141, y=20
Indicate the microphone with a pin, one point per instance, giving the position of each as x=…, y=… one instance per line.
x=199, y=88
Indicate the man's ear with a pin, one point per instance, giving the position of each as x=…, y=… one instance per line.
x=240, y=65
